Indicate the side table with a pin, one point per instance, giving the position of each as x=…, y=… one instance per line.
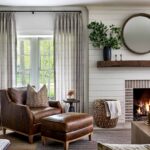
x=71, y=101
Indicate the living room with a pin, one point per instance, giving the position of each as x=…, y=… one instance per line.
x=40, y=55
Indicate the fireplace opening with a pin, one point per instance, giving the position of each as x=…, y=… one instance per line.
x=141, y=103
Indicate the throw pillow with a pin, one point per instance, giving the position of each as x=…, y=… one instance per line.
x=102, y=146
x=18, y=95
x=37, y=98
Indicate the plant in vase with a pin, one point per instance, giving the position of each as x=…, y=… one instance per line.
x=71, y=94
x=106, y=37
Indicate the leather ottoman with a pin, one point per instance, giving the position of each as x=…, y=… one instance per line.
x=66, y=127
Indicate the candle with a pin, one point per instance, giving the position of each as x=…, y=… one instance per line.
x=147, y=107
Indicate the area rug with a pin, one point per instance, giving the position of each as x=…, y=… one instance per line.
x=19, y=142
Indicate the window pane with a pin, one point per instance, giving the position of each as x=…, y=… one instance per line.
x=47, y=65
x=31, y=68
x=23, y=62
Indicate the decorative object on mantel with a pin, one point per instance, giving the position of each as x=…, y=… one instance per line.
x=103, y=116
x=106, y=37
x=127, y=63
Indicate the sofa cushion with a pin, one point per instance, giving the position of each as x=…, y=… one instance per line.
x=37, y=98
x=102, y=146
x=39, y=113
x=18, y=95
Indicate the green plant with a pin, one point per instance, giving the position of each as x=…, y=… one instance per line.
x=104, y=36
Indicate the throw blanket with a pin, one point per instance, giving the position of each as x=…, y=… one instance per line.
x=113, y=108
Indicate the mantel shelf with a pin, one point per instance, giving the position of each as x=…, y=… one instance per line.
x=127, y=63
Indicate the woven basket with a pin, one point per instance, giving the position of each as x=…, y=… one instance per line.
x=100, y=117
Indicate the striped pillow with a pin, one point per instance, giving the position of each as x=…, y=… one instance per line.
x=37, y=98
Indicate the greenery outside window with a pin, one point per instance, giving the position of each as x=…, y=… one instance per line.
x=35, y=62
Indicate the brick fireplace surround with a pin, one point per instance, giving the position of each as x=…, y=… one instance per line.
x=129, y=86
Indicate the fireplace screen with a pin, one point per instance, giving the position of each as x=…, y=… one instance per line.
x=141, y=103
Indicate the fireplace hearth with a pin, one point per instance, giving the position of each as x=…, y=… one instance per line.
x=141, y=103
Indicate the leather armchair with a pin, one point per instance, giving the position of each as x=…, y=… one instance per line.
x=21, y=118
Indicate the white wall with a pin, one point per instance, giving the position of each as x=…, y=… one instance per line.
x=110, y=82
x=39, y=23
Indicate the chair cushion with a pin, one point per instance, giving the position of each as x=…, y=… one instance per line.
x=18, y=95
x=39, y=113
x=37, y=98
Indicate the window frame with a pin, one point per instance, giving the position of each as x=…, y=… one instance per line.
x=35, y=60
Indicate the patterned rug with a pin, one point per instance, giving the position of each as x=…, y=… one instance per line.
x=19, y=142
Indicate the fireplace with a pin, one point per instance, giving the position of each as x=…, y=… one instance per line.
x=133, y=91
x=141, y=103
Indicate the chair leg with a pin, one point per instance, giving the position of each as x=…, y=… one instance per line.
x=90, y=137
x=66, y=145
x=30, y=139
x=43, y=140
x=4, y=131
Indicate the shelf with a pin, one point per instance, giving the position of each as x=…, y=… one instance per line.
x=127, y=63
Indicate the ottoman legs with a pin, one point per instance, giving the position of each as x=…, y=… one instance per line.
x=4, y=131
x=43, y=140
x=90, y=137
x=30, y=139
x=66, y=143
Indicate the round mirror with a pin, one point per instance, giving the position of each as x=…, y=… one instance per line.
x=136, y=33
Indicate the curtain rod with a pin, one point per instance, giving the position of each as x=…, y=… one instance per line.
x=33, y=11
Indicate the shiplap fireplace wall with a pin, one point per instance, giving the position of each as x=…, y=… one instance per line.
x=110, y=82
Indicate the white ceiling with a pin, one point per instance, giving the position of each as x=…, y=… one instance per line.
x=68, y=2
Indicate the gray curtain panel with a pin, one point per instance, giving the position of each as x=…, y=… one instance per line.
x=69, y=56
x=7, y=49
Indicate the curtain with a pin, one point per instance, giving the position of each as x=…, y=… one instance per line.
x=7, y=49
x=69, y=56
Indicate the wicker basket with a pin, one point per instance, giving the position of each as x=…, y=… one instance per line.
x=100, y=117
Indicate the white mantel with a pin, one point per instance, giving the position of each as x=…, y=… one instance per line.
x=110, y=82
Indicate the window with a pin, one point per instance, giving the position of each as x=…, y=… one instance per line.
x=35, y=62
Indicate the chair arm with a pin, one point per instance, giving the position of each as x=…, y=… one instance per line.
x=15, y=116
x=56, y=104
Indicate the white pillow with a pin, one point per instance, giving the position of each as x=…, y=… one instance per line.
x=37, y=98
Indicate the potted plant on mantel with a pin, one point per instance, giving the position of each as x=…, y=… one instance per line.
x=105, y=37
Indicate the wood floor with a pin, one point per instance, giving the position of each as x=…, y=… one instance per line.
x=19, y=142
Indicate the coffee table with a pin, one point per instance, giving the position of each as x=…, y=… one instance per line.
x=140, y=133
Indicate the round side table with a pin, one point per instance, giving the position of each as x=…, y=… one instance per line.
x=71, y=101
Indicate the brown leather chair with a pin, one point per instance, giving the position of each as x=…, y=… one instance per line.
x=22, y=119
